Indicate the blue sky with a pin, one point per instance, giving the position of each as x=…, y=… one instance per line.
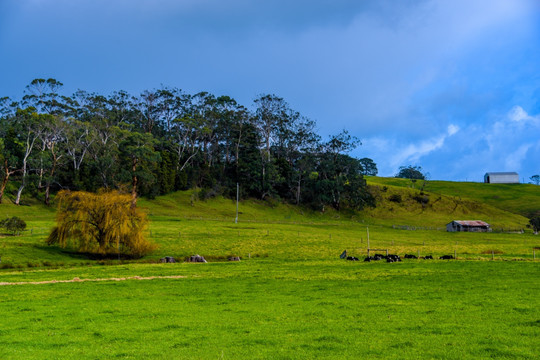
x=452, y=86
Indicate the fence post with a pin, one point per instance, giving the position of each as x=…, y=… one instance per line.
x=534, y=254
x=455, y=254
x=492, y=255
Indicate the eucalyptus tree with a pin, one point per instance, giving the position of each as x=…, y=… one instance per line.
x=138, y=155
x=104, y=150
x=9, y=151
x=52, y=137
x=79, y=137
x=8, y=142
x=119, y=108
x=29, y=124
x=204, y=110
x=301, y=152
x=368, y=167
x=42, y=94
x=146, y=111
x=170, y=104
x=336, y=171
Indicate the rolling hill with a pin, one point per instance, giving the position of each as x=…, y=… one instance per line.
x=523, y=199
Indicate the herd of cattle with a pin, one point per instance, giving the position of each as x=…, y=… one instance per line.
x=392, y=257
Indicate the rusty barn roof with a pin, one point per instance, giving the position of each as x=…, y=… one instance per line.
x=471, y=222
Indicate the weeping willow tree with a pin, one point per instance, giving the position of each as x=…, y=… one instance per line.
x=104, y=223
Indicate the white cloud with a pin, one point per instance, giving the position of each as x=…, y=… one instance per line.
x=517, y=114
x=395, y=154
x=452, y=129
x=515, y=159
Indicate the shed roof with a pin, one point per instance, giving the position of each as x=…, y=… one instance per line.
x=471, y=222
x=501, y=173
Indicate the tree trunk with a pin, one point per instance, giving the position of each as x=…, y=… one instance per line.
x=48, y=185
x=4, y=184
x=19, y=192
x=134, y=181
x=23, y=183
x=298, y=190
x=29, y=147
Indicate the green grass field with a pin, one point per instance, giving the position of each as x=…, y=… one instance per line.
x=290, y=297
x=270, y=309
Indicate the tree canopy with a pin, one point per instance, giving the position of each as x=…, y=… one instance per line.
x=411, y=172
x=165, y=140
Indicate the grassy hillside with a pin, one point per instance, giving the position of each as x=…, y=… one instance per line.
x=290, y=297
x=182, y=225
x=409, y=206
x=522, y=199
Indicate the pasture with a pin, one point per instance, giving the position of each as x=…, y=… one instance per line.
x=290, y=297
x=274, y=309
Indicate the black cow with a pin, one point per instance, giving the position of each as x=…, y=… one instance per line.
x=446, y=257
x=410, y=256
x=428, y=257
x=392, y=258
x=379, y=257
x=369, y=258
x=352, y=258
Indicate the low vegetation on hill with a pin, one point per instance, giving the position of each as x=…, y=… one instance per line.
x=523, y=199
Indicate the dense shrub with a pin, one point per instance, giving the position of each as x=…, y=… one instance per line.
x=105, y=223
x=13, y=225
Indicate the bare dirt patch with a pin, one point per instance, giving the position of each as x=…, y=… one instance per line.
x=76, y=279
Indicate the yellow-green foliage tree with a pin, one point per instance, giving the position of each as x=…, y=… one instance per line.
x=104, y=223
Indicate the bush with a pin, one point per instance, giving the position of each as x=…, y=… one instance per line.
x=395, y=198
x=13, y=225
x=421, y=199
x=535, y=223
x=103, y=223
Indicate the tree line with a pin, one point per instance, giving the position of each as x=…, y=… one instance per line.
x=165, y=140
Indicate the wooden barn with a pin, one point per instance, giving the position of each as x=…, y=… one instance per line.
x=501, y=178
x=468, y=226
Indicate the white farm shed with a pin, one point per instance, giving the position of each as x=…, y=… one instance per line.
x=501, y=178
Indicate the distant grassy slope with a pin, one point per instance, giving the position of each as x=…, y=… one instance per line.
x=408, y=206
x=182, y=227
x=180, y=204
x=437, y=212
x=521, y=199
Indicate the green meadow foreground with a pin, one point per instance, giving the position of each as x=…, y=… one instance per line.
x=266, y=309
x=290, y=296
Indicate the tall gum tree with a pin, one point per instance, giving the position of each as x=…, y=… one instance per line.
x=30, y=125
x=138, y=154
